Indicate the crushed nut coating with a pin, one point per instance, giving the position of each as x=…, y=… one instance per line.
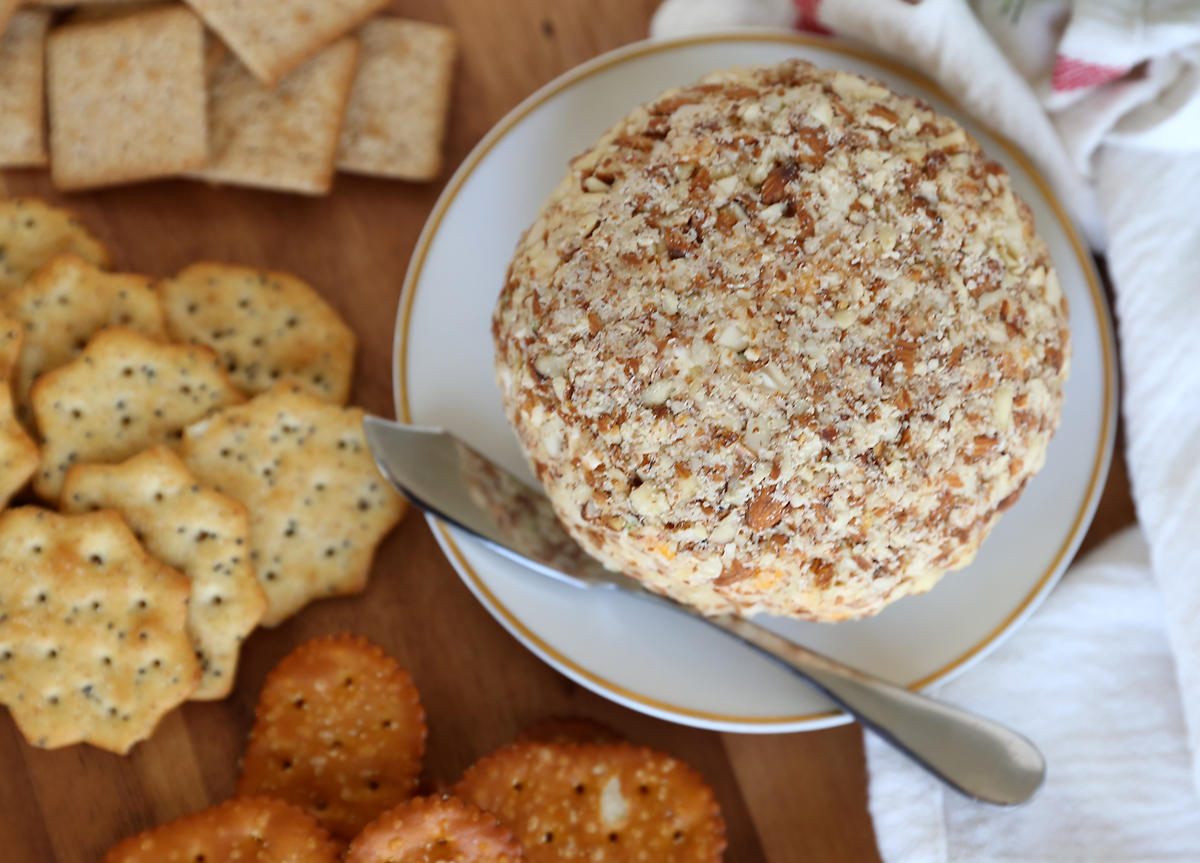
x=783, y=341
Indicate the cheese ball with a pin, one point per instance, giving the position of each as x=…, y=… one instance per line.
x=783, y=341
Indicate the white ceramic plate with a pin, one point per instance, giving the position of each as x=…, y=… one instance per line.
x=650, y=658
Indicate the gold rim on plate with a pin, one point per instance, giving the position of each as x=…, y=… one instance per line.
x=640, y=49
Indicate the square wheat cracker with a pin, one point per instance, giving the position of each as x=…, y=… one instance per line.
x=273, y=37
x=266, y=326
x=22, y=88
x=127, y=99
x=284, y=138
x=193, y=529
x=32, y=232
x=396, y=119
x=318, y=505
x=123, y=394
x=67, y=302
x=19, y=454
x=92, y=641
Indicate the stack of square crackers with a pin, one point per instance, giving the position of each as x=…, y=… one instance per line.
x=274, y=94
x=196, y=471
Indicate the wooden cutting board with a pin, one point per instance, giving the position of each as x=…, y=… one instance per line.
x=786, y=798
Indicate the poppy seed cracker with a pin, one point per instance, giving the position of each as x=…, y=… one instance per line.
x=32, y=232
x=194, y=529
x=92, y=641
x=318, y=505
x=124, y=393
x=67, y=302
x=19, y=454
x=266, y=326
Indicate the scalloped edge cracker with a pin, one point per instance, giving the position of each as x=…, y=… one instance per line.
x=285, y=138
x=396, y=118
x=22, y=86
x=63, y=305
x=126, y=98
x=19, y=454
x=197, y=531
x=92, y=642
x=318, y=505
x=123, y=394
x=267, y=326
x=32, y=233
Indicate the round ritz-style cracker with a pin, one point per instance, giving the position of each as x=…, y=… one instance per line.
x=785, y=342
x=318, y=505
x=266, y=326
x=428, y=829
x=598, y=802
x=32, y=232
x=63, y=305
x=123, y=394
x=567, y=729
x=248, y=830
x=339, y=729
x=93, y=642
x=194, y=529
x=19, y=454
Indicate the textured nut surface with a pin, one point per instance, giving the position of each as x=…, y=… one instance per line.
x=806, y=350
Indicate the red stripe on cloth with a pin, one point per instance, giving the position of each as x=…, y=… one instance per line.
x=809, y=20
x=1071, y=74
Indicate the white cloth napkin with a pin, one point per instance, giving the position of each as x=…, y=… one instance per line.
x=1105, y=677
x=1090, y=678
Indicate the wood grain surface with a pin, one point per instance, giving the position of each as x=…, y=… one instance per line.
x=786, y=798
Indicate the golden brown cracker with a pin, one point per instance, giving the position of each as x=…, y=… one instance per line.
x=127, y=98
x=396, y=118
x=266, y=326
x=19, y=454
x=193, y=529
x=318, y=506
x=340, y=731
x=435, y=828
x=32, y=232
x=250, y=829
x=67, y=302
x=22, y=89
x=283, y=138
x=612, y=802
x=273, y=37
x=122, y=394
x=92, y=641
x=567, y=729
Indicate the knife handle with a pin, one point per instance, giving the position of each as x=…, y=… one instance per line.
x=981, y=758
